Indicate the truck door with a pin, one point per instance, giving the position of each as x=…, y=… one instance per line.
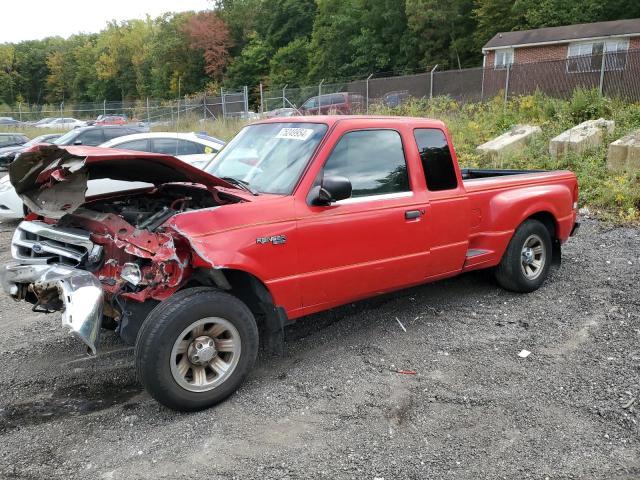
x=375, y=240
x=449, y=214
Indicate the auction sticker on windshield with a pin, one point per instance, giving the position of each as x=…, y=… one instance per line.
x=295, y=133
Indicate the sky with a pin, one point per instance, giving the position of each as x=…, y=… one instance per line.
x=36, y=19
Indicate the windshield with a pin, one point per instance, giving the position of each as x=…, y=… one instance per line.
x=268, y=157
x=37, y=140
x=67, y=138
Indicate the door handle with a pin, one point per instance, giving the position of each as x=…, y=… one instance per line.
x=412, y=214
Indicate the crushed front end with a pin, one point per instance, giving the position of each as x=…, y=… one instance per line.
x=107, y=260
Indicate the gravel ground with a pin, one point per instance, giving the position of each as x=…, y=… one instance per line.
x=335, y=406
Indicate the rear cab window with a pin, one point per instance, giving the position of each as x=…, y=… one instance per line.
x=372, y=160
x=435, y=156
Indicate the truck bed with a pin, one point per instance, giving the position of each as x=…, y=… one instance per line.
x=476, y=180
x=475, y=173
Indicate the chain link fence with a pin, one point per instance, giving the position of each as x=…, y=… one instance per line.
x=613, y=74
x=229, y=104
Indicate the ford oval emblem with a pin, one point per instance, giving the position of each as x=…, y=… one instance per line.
x=37, y=248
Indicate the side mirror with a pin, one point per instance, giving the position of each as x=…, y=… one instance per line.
x=78, y=142
x=332, y=189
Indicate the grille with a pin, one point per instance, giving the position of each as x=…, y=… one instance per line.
x=39, y=243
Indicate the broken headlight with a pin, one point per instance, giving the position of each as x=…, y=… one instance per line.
x=131, y=273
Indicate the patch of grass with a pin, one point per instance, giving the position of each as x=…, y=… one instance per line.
x=613, y=196
x=223, y=129
x=30, y=132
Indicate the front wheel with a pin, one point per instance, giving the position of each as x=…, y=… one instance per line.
x=195, y=348
x=525, y=264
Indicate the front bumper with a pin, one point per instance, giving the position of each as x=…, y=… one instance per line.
x=80, y=294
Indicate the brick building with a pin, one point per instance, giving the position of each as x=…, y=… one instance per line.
x=553, y=59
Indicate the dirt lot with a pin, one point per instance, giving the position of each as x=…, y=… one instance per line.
x=335, y=406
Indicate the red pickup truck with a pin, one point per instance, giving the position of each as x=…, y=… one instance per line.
x=196, y=268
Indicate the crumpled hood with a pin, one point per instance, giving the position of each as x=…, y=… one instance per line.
x=52, y=181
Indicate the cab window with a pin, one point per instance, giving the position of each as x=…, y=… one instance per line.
x=372, y=160
x=435, y=156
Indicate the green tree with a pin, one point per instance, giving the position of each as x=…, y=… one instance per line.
x=442, y=33
x=382, y=39
x=282, y=21
x=290, y=64
x=8, y=73
x=332, y=50
x=252, y=65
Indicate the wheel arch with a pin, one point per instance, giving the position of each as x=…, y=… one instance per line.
x=254, y=293
x=550, y=222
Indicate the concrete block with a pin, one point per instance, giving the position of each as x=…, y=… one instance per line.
x=586, y=136
x=515, y=139
x=624, y=153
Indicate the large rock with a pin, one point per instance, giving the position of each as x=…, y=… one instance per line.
x=624, y=154
x=586, y=136
x=515, y=139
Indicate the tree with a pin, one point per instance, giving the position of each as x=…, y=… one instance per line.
x=207, y=32
x=241, y=18
x=251, y=66
x=290, y=64
x=282, y=21
x=380, y=45
x=332, y=50
x=8, y=73
x=442, y=33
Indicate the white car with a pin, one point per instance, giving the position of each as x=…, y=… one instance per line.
x=11, y=206
x=62, y=123
x=193, y=148
x=196, y=149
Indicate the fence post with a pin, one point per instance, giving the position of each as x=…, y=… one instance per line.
x=320, y=96
x=506, y=87
x=104, y=107
x=224, y=108
x=20, y=110
x=431, y=83
x=246, y=100
x=204, y=107
x=261, y=101
x=602, y=65
x=148, y=114
x=61, y=109
x=284, y=96
x=482, y=86
x=368, y=78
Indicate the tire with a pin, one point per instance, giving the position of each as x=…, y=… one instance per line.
x=522, y=269
x=170, y=362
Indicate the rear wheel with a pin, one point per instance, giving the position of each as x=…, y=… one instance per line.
x=525, y=264
x=195, y=348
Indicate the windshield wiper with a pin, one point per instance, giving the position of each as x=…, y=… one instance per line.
x=242, y=184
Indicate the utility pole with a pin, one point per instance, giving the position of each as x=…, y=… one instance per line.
x=368, y=78
x=431, y=84
x=320, y=95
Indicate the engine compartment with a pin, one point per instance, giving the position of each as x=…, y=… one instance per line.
x=149, y=210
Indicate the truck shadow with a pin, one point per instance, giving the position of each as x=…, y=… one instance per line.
x=109, y=381
x=68, y=401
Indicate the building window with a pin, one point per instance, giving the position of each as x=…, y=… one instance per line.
x=504, y=58
x=587, y=56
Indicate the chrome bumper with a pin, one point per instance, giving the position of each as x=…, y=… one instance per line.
x=79, y=291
